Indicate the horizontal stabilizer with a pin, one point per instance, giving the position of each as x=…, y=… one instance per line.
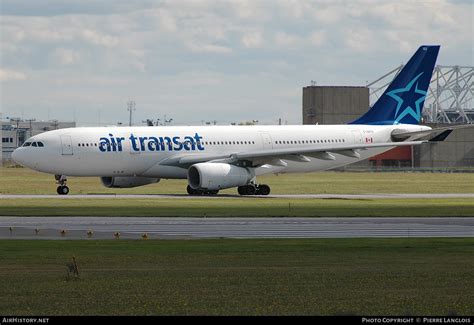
x=441, y=137
x=402, y=134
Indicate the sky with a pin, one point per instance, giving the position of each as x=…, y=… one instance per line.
x=198, y=61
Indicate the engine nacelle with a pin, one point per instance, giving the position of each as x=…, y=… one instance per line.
x=216, y=176
x=127, y=182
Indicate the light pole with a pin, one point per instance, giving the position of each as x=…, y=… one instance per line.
x=31, y=129
x=16, y=120
x=130, y=108
x=55, y=124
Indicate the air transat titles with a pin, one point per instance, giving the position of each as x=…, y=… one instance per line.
x=151, y=143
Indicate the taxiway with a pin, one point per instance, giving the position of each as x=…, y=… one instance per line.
x=162, y=228
x=227, y=196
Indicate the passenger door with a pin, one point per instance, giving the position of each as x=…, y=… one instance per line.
x=66, y=145
x=357, y=136
x=266, y=140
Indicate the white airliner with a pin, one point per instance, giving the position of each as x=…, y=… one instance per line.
x=218, y=157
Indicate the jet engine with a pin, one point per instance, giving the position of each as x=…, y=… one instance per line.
x=127, y=182
x=216, y=176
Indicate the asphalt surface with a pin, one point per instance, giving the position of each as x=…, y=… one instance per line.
x=172, y=228
x=227, y=196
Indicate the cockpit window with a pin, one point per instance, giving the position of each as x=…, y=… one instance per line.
x=34, y=144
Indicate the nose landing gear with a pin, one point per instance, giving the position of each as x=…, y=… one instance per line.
x=62, y=189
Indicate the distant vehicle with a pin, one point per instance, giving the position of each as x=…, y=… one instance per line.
x=212, y=158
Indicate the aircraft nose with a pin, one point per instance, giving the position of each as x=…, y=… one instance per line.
x=17, y=156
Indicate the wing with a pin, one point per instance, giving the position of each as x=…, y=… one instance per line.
x=277, y=157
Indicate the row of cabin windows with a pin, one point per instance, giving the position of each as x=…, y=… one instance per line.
x=203, y=142
x=247, y=142
x=226, y=142
x=87, y=144
x=310, y=141
x=33, y=144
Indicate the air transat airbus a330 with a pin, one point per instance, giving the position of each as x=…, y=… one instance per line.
x=212, y=158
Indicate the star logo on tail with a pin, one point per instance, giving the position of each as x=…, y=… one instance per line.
x=412, y=101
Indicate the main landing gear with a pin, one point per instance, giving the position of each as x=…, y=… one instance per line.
x=251, y=189
x=254, y=189
x=62, y=188
x=192, y=191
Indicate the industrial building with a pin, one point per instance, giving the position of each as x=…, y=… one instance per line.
x=334, y=105
x=16, y=131
x=450, y=100
x=457, y=151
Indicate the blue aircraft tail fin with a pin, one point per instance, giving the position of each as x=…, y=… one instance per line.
x=402, y=102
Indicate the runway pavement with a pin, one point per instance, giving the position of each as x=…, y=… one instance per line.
x=230, y=196
x=170, y=228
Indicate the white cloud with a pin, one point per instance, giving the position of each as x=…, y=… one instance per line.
x=98, y=38
x=250, y=10
x=252, y=39
x=283, y=39
x=293, y=9
x=209, y=48
x=317, y=38
x=124, y=48
x=164, y=19
x=66, y=56
x=360, y=40
x=326, y=14
x=11, y=75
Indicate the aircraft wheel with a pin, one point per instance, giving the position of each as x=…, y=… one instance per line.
x=247, y=190
x=62, y=190
x=263, y=189
x=191, y=191
x=251, y=189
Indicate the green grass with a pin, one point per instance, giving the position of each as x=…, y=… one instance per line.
x=25, y=181
x=239, y=207
x=239, y=277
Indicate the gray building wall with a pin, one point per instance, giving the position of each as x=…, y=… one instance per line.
x=457, y=151
x=334, y=104
x=11, y=136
